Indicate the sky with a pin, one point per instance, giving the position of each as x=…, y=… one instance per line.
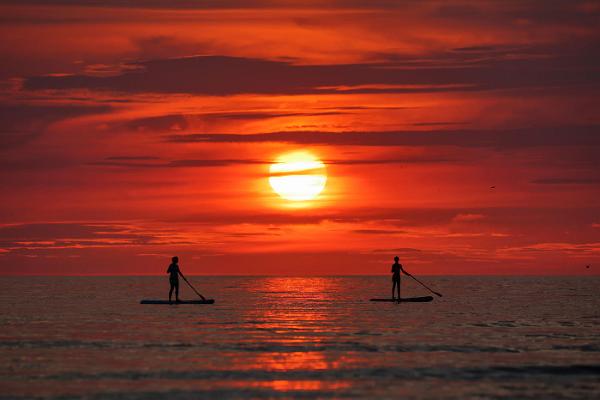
x=462, y=136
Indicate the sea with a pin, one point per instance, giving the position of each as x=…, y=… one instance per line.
x=300, y=337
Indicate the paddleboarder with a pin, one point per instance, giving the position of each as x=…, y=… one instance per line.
x=396, y=270
x=174, y=272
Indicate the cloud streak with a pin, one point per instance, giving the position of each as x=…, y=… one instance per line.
x=22, y=123
x=567, y=181
x=81, y=235
x=154, y=162
x=227, y=75
x=500, y=139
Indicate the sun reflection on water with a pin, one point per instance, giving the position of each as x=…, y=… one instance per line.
x=298, y=328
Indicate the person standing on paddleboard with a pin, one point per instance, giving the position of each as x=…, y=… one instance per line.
x=396, y=270
x=174, y=272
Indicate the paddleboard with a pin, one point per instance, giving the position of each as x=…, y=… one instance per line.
x=207, y=301
x=423, y=299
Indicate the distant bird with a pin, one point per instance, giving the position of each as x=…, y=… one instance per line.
x=492, y=187
x=587, y=266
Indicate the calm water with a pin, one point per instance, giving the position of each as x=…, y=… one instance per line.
x=273, y=337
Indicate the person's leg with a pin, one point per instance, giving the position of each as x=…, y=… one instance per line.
x=171, y=291
x=177, y=291
x=393, y=288
x=398, y=283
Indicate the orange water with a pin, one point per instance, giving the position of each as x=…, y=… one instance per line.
x=274, y=337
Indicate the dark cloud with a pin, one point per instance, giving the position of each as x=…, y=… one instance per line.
x=529, y=223
x=440, y=123
x=495, y=12
x=406, y=216
x=287, y=218
x=20, y=123
x=476, y=48
x=79, y=235
x=402, y=160
x=224, y=75
x=213, y=163
x=460, y=11
x=126, y=164
x=48, y=231
x=134, y=162
x=222, y=4
x=159, y=4
x=162, y=123
x=399, y=250
x=480, y=9
x=360, y=108
x=163, y=46
x=500, y=139
x=265, y=115
x=132, y=158
x=377, y=231
x=567, y=181
x=178, y=122
x=25, y=162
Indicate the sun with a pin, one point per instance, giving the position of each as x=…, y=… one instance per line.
x=298, y=176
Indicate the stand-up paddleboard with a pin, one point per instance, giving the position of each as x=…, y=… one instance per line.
x=423, y=299
x=207, y=301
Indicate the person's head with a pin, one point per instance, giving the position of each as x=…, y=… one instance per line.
x=396, y=259
x=175, y=260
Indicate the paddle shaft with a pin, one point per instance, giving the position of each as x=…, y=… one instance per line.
x=425, y=286
x=194, y=289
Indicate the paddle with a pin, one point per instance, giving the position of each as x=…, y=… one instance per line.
x=425, y=286
x=186, y=281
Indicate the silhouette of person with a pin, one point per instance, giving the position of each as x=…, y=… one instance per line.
x=174, y=272
x=396, y=270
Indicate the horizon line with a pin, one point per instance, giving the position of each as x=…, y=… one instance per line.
x=590, y=274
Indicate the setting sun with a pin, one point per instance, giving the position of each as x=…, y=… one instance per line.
x=298, y=176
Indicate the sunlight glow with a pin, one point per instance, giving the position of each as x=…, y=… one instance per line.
x=298, y=176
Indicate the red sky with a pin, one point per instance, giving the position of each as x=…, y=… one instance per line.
x=462, y=136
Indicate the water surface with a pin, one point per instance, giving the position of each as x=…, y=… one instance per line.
x=316, y=337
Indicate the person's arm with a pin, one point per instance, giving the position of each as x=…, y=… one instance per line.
x=169, y=270
x=179, y=272
x=405, y=271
